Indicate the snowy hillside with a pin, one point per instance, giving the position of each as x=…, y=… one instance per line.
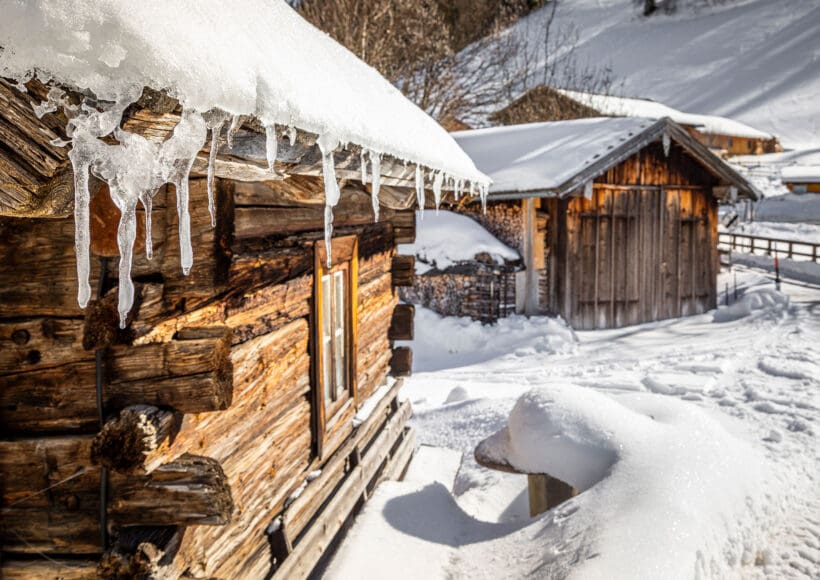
x=757, y=61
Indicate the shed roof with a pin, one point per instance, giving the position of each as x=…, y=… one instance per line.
x=647, y=108
x=249, y=57
x=801, y=174
x=558, y=158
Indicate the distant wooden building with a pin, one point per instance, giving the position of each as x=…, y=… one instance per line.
x=618, y=216
x=725, y=136
x=801, y=178
x=247, y=409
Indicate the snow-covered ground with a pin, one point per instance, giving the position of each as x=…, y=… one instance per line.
x=706, y=428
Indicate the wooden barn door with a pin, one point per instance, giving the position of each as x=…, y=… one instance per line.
x=636, y=255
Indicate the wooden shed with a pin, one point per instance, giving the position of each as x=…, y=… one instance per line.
x=618, y=216
x=801, y=178
x=724, y=136
x=243, y=411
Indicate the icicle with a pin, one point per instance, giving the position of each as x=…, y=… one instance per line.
x=363, y=162
x=82, y=233
x=147, y=200
x=236, y=122
x=327, y=145
x=472, y=188
x=459, y=187
x=420, y=190
x=667, y=143
x=588, y=189
x=376, y=167
x=438, y=178
x=271, y=146
x=292, y=135
x=215, y=131
x=482, y=191
x=126, y=234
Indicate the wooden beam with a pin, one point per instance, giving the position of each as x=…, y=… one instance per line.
x=134, y=440
x=401, y=362
x=191, y=373
x=191, y=490
x=401, y=324
x=403, y=270
x=50, y=497
x=50, y=569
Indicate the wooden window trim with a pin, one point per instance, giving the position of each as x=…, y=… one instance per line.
x=344, y=250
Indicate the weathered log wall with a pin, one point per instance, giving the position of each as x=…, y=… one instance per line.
x=208, y=386
x=643, y=248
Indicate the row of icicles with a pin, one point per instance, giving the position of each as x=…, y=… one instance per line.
x=136, y=168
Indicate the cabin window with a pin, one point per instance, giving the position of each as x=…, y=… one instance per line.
x=335, y=320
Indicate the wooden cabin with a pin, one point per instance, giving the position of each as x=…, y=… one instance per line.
x=617, y=216
x=244, y=411
x=724, y=136
x=801, y=178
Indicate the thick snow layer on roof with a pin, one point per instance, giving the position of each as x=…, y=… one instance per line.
x=631, y=107
x=543, y=156
x=801, y=174
x=445, y=238
x=251, y=57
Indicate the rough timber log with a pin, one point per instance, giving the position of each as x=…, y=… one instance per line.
x=191, y=373
x=35, y=177
x=401, y=324
x=134, y=440
x=403, y=270
x=191, y=490
x=51, y=569
x=401, y=362
x=50, y=498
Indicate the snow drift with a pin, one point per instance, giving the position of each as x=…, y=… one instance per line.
x=667, y=485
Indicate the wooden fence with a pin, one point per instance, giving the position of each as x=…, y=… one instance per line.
x=791, y=249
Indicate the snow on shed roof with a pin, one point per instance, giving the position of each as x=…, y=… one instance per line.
x=445, y=238
x=558, y=158
x=544, y=156
x=801, y=174
x=250, y=57
x=634, y=107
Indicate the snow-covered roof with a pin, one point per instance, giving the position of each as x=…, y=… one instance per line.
x=444, y=238
x=633, y=107
x=559, y=158
x=544, y=156
x=250, y=57
x=801, y=174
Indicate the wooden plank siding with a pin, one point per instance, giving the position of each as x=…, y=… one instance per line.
x=258, y=286
x=642, y=248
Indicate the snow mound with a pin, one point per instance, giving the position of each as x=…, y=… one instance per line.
x=760, y=300
x=445, y=238
x=669, y=489
x=447, y=341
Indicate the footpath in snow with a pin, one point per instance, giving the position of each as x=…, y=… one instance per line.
x=694, y=440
